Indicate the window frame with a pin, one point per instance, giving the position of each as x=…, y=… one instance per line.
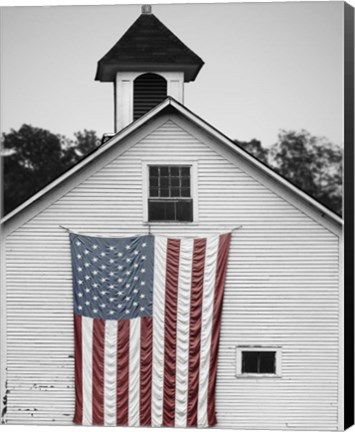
x=193, y=165
x=253, y=348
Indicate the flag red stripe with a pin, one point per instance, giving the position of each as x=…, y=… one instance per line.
x=146, y=371
x=78, y=416
x=171, y=291
x=122, y=372
x=98, y=352
x=223, y=249
x=197, y=277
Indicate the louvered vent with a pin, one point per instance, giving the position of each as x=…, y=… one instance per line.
x=149, y=91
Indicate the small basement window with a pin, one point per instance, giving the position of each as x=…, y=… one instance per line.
x=170, y=197
x=258, y=361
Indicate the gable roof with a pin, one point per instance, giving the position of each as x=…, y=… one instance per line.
x=171, y=104
x=147, y=46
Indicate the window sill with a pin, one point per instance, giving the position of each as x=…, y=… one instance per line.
x=252, y=375
x=169, y=223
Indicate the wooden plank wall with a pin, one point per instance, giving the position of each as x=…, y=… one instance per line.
x=282, y=289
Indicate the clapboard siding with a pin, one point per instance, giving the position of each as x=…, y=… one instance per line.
x=282, y=289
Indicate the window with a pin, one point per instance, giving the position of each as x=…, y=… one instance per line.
x=258, y=361
x=170, y=197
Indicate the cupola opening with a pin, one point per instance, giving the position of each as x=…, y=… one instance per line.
x=148, y=91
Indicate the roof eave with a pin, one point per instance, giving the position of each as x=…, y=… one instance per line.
x=107, y=73
x=169, y=101
x=254, y=161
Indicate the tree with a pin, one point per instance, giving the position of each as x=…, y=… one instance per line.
x=255, y=148
x=313, y=164
x=86, y=141
x=33, y=157
x=31, y=160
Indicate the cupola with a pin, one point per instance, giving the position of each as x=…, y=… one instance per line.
x=146, y=65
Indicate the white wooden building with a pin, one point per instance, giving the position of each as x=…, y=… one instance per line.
x=284, y=289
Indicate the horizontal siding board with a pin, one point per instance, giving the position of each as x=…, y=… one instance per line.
x=281, y=289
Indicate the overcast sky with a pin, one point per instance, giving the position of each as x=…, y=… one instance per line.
x=268, y=66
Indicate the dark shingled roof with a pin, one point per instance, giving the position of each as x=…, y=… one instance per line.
x=148, y=46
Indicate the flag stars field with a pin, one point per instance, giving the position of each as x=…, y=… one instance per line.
x=119, y=268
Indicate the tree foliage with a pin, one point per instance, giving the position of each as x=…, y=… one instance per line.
x=255, y=148
x=33, y=157
x=313, y=164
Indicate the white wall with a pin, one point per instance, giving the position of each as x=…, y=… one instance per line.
x=282, y=289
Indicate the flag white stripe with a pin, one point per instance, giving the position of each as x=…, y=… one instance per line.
x=206, y=327
x=183, y=331
x=87, y=337
x=110, y=369
x=134, y=372
x=160, y=249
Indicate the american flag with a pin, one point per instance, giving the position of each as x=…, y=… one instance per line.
x=147, y=314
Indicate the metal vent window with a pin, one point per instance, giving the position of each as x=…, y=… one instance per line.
x=149, y=90
x=170, y=194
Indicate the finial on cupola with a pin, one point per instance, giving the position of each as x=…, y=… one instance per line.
x=146, y=9
x=146, y=65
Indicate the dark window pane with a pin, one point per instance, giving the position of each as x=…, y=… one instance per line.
x=156, y=211
x=170, y=211
x=250, y=362
x=175, y=181
x=153, y=181
x=184, y=211
x=175, y=192
x=164, y=171
x=259, y=362
x=185, y=181
x=174, y=171
x=267, y=362
x=164, y=182
x=185, y=192
x=164, y=192
x=185, y=171
x=161, y=211
x=154, y=192
x=153, y=171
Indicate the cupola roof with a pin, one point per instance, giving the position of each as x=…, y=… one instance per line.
x=148, y=46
